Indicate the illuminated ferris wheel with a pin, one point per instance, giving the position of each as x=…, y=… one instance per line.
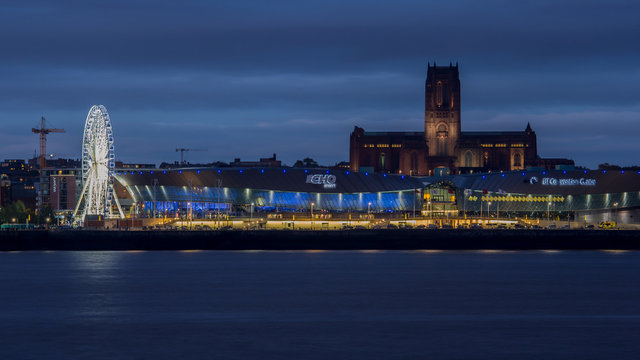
x=98, y=162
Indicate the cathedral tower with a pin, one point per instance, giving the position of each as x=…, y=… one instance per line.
x=442, y=114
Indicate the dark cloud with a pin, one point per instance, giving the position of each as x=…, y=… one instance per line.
x=248, y=78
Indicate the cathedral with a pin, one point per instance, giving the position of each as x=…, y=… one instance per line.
x=443, y=148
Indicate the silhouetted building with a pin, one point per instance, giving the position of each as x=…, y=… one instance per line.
x=121, y=165
x=23, y=180
x=263, y=162
x=5, y=190
x=443, y=147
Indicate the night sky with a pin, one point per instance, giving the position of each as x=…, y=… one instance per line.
x=251, y=78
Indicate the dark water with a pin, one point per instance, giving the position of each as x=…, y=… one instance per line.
x=320, y=305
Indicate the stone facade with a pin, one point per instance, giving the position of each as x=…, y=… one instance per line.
x=443, y=147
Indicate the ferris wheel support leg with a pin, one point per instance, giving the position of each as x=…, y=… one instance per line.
x=115, y=197
x=84, y=190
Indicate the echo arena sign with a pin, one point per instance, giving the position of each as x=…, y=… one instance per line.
x=327, y=181
x=549, y=181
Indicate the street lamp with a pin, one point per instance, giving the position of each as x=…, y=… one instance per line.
x=489, y=209
x=251, y=213
x=189, y=214
x=548, y=207
x=369, y=208
x=312, y=215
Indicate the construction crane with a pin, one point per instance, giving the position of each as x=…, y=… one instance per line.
x=43, y=131
x=182, y=150
x=43, y=141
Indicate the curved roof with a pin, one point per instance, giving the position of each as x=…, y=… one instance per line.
x=317, y=180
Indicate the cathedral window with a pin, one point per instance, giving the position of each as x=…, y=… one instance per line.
x=517, y=160
x=414, y=164
x=442, y=135
x=439, y=93
x=468, y=159
x=382, y=161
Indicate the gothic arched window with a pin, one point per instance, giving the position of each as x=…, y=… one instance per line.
x=382, y=161
x=517, y=160
x=442, y=135
x=439, y=93
x=468, y=159
x=414, y=164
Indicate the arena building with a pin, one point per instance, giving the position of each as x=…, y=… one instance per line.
x=583, y=196
x=270, y=189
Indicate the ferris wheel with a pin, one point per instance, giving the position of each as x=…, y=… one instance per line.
x=98, y=162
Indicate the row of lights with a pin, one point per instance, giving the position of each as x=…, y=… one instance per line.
x=564, y=172
x=241, y=171
x=366, y=173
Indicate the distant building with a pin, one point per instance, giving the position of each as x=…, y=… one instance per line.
x=64, y=184
x=343, y=165
x=263, y=162
x=22, y=181
x=34, y=163
x=121, y=165
x=443, y=147
x=5, y=190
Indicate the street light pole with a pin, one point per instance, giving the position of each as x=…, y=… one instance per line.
x=312, y=216
x=154, y=183
x=414, y=203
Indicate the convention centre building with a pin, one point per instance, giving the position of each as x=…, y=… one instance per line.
x=587, y=196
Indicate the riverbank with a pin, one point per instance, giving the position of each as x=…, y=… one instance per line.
x=381, y=239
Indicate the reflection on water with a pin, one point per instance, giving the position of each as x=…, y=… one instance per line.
x=319, y=305
x=95, y=262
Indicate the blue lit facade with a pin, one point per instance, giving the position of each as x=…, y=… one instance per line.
x=281, y=189
x=515, y=193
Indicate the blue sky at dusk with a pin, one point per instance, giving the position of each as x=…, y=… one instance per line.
x=251, y=78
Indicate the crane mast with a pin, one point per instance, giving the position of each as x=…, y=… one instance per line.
x=182, y=150
x=43, y=131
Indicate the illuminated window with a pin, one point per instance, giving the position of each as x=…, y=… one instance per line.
x=439, y=93
x=517, y=160
x=442, y=135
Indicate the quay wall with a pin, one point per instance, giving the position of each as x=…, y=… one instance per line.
x=380, y=239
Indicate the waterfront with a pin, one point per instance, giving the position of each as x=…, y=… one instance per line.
x=319, y=304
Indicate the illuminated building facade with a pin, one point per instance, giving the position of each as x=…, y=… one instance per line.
x=588, y=196
x=443, y=147
x=576, y=195
x=270, y=189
